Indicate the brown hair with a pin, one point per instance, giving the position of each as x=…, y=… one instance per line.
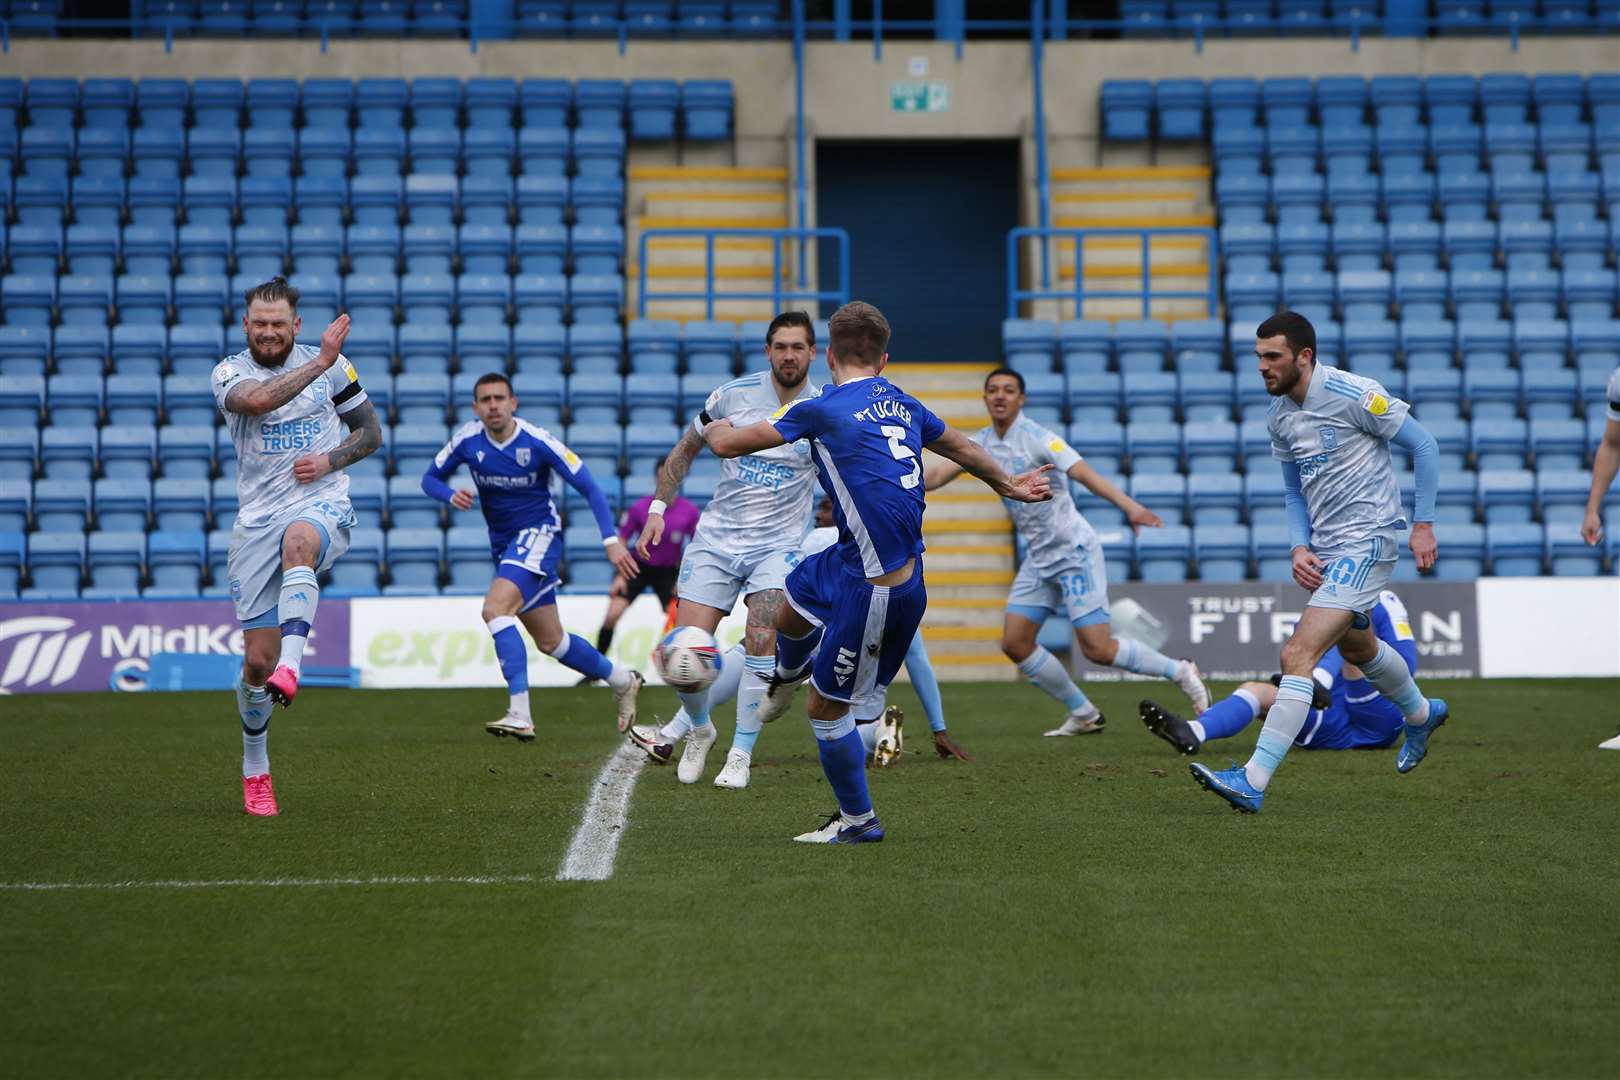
x=268, y=292
x=792, y=318
x=858, y=331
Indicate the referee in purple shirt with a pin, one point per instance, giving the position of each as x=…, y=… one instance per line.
x=659, y=567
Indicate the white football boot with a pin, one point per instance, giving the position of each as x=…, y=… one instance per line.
x=625, y=699
x=514, y=724
x=1191, y=681
x=735, y=773
x=695, y=753
x=890, y=741
x=1087, y=721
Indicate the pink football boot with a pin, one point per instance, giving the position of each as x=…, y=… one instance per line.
x=283, y=686
x=258, y=796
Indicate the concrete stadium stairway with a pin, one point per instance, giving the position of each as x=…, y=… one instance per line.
x=1163, y=196
x=703, y=196
x=969, y=537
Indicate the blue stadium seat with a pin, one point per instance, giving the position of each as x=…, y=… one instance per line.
x=1452, y=437
x=186, y=450
x=134, y=399
x=92, y=249
x=1126, y=108
x=598, y=200
x=467, y=556
x=1222, y=551
x=175, y=560
x=123, y=504
x=25, y=350
x=595, y=398
x=652, y=109
x=414, y=558
x=421, y=398
x=1100, y=442
x=596, y=249
x=409, y=507
x=181, y=503
x=324, y=200
x=1086, y=346
x=116, y=561
x=706, y=107
x=1558, y=444
x=1457, y=499
x=1507, y=495
x=1162, y=554
x=128, y=451
x=1484, y=342
x=1516, y=549
x=427, y=347
x=1561, y=495
x=157, y=151
x=435, y=101
x=369, y=497
x=596, y=298
x=56, y=561
x=194, y=350
x=1150, y=395
x=1212, y=446
x=1163, y=493
x=428, y=249
x=598, y=151
x=74, y=400
x=486, y=200
x=356, y=573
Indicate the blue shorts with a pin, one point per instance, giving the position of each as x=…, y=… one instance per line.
x=529, y=561
x=868, y=628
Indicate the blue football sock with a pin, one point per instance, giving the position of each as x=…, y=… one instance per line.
x=843, y=759
x=793, y=654
x=1229, y=716
x=1283, y=722
x=1133, y=656
x=579, y=654
x=1045, y=671
x=921, y=670
x=1387, y=671
x=513, y=657
x=749, y=699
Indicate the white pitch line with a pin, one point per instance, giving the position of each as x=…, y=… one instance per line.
x=596, y=842
x=262, y=883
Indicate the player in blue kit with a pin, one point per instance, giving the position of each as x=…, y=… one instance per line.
x=512, y=462
x=1332, y=432
x=854, y=609
x=1348, y=712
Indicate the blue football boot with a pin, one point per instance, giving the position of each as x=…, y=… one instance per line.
x=1416, y=746
x=1230, y=784
x=835, y=831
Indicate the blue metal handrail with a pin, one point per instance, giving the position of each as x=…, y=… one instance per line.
x=1079, y=294
x=1037, y=53
x=801, y=199
x=776, y=294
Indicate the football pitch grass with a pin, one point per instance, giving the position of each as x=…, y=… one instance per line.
x=1064, y=907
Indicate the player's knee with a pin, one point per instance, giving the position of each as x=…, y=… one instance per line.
x=1016, y=647
x=547, y=641
x=760, y=641
x=257, y=666
x=1358, y=649
x=1297, y=659
x=300, y=546
x=825, y=709
x=1100, y=652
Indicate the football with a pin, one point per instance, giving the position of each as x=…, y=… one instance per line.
x=688, y=658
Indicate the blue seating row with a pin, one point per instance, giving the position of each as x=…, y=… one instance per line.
x=1423, y=246
x=426, y=101
x=1177, y=109
x=313, y=201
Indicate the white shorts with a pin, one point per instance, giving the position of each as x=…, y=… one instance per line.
x=1079, y=588
x=254, y=560
x=716, y=579
x=1353, y=576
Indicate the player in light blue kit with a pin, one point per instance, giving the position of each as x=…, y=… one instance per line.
x=1348, y=713
x=284, y=403
x=747, y=540
x=1331, y=431
x=1063, y=567
x=511, y=462
x=854, y=608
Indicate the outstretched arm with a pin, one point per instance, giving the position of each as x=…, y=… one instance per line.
x=1104, y=488
x=1032, y=486
x=267, y=395
x=365, y=435
x=676, y=465
x=729, y=442
x=584, y=483
x=937, y=476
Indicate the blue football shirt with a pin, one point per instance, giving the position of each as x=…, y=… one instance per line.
x=866, y=437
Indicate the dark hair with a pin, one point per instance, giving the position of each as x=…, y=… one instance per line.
x=493, y=376
x=268, y=292
x=1292, y=325
x=792, y=318
x=858, y=331
x=1004, y=370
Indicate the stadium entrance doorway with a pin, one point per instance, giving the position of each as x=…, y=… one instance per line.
x=927, y=222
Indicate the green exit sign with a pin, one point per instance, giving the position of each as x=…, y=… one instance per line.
x=918, y=97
